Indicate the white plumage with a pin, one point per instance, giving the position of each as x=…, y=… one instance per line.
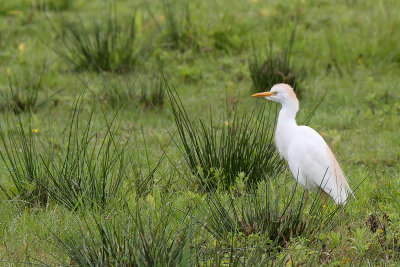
x=310, y=160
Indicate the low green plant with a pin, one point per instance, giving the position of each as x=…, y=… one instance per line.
x=91, y=170
x=273, y=211
x=229, y=37
x=108, y=46
x=179, y=33
x=219, y=153
x=148, y=92
x=21, y=156
x=144, y=237
x=231, y=255
x=95, y=169
x=117, y=93
x=226, y=40
x=277, y=67
x=24, y=87
x=57, y=5
x=152, y=93
x=42, y=5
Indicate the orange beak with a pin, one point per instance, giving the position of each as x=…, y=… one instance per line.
x=264, y=94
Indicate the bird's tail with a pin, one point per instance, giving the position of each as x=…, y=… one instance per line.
x=344, y=191
x=343, y=187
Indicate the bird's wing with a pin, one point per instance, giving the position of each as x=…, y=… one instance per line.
x=310, y=157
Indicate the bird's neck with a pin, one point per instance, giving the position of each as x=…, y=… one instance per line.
x=287, y=116
x=285, y=129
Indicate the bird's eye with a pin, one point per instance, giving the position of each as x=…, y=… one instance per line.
x=275, y=92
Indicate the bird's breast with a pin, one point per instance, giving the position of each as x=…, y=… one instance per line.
x=285, y=130
x=281, y=143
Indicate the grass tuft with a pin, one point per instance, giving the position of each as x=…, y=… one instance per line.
x=179, y=33
x=89, y=171
x=20, y=154
x=229, y=37
x=219, y=154
x=269, y=213
x=22, y=94
x=11, y=7
x=101, y=46
x=149, y=92
x=57, y=5
x=276, y=68
x=152, y=93
x=144, y=237
x=117, y=93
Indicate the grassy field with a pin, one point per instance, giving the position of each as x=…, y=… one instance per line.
x=128, y=136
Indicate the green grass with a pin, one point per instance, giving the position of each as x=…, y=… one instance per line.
x=89, y=171
x=117, y=93
x=238, y=146
x=25, y=91
x=112, y=181
x=107, y=46
x=147, y=92
x=143, y=237
x=179, y=31
x=21, y=158
x=277, y=67
x=40, y=6
x=265, y=213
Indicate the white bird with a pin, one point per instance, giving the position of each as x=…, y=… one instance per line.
x=310, y=160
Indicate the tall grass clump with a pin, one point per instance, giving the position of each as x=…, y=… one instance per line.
x=153, y=92
x=220, y=153
x=118, y=93
x=143, y=237
x=20, y=154
x=57, y=5
x=277, y=67
x=23, y=90
x=42, y=5
x=179, y=32
x=146, y=91
x=229, y=36
x=91, y=170
x=104, y=45
x=96, y=169
x=273, y=212
x=227, y=40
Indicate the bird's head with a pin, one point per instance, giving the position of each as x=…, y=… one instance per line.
x=281, y=93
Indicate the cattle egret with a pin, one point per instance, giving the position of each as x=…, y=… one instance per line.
x=310, y=160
